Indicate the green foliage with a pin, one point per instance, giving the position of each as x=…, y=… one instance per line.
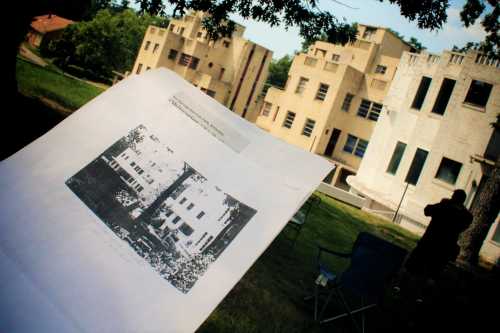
x=416, y=45
x=278, y=72
x=269, y=298
x=106, y=43
x=37, y=81
x=314, y=23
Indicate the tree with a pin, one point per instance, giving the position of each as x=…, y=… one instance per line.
x=278, y=72
x=485, y=209
x=416, y=45
x=108, y=42
x=314, y=22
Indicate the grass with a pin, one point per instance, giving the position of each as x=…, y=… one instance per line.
x=269, y=298
x=37, y=81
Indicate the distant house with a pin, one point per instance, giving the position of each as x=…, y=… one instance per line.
x=45, y=28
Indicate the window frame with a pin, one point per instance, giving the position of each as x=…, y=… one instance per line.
x=308, y=128
x=467, y=96
x=287, y=123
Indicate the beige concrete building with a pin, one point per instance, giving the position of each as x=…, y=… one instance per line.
x=333, y=98
x=434, y=127
x=231, y=70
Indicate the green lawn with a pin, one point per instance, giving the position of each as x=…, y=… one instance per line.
x=37, y=81
x=269, y=298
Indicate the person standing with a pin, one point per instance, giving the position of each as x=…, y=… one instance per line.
x=438, y=245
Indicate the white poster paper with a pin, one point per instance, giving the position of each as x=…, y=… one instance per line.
x=140, y=211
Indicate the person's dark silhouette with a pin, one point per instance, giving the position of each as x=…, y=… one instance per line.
x=438, y=245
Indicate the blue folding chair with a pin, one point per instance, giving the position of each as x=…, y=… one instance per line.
x=374, y=262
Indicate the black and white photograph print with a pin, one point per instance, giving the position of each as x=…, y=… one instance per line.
x=169, y=213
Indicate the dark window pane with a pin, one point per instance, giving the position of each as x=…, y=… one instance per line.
x=421, y=92
x=350, y=143
x=361, y=148
x=186, y=229
x=364, y=107
x=444, y=96
x=478, y=93
x=448, y=170
x=397, y=155
x=416, y=166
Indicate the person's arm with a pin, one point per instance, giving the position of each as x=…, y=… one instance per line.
x=429, y=210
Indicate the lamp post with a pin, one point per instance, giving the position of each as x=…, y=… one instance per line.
x=400, y=202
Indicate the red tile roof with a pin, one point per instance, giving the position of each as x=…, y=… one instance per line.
x=50, y=22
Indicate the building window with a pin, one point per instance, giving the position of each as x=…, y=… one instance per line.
x=155, y=48
x=361, y=148
x=210, y=93
x=176, y=219
x=355, y=145
x=276, y=113
x=186, y=229
x=478, y=93
x=183, y=200
x=397, y=155
x=148, y=68
x=140, y=188
x=346, y=104
x=198, y=34
x=369, y=32
x=322, y=91
x=146, y=47
x=301, y=86
x=350, y=143
x=221, y=74
x=172, y=54
x=201, y=238
x=189, y=61
x=416, y=166
x=139, y=67
x=200, y=215
x=171, y=28
x=266, y=109
x=380, y=69
x=370, y=110
x=448, y=171
x=423, y=87
x=308, y=127
x=443, y=96
x=320, y=52
x=290, y=116
x=226, y=43
x=206, y=243
x=336, y=57
x=181, y=30
x=190, y=206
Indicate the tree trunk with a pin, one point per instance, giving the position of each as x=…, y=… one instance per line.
x=485, y=209
x=148, y=212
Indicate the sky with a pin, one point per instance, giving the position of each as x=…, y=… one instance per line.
x=371, y=12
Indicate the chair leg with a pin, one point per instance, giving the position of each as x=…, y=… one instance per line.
x=348, y=313
x=325, y=304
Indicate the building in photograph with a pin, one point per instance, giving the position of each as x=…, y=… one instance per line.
x=333, y=98
x=196, y=211
x=45, y=28
x=231, y=70
x=434, y=130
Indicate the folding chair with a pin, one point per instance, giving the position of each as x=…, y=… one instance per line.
x=373, y=263
x=301, y=216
